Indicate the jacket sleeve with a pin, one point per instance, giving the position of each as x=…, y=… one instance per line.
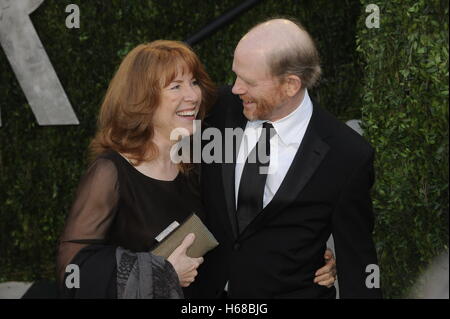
x=353, y=223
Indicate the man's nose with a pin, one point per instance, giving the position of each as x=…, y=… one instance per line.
x=238, y=87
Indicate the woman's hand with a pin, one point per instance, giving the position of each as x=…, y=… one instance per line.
x=185, y=266
x=326, y=276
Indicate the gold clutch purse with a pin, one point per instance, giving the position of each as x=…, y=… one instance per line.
x=172, y=237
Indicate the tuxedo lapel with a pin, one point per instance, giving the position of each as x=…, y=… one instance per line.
x=228, y=169
x=306, y=161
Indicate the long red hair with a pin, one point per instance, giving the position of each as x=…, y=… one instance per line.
x=125, y=122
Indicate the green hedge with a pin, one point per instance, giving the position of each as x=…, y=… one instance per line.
x=40, y=166
x=405, y=114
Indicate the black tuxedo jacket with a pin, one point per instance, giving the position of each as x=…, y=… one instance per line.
x=326, y=190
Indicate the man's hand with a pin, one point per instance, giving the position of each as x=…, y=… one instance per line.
x=326, y=276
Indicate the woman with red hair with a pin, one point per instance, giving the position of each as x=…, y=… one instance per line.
x=133, y=190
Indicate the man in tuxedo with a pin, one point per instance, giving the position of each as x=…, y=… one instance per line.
x=272, y=228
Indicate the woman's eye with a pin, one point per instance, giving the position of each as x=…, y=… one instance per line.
x=175, y=87
x=195, y=82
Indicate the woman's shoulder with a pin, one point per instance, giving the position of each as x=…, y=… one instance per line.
x=106, y=161
x=100, y=172
x=110, y=156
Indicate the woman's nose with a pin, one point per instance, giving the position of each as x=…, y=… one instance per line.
x=192, y=94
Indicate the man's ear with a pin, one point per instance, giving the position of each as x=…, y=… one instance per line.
x=293, y=85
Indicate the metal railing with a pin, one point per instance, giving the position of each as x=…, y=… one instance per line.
x=221, y=21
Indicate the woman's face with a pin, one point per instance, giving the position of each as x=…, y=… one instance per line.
x=179, y=104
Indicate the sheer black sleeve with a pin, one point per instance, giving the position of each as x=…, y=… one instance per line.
x=92, y=212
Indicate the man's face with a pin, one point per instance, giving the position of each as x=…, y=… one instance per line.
x=261, y=94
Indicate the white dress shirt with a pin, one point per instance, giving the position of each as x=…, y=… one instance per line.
x=290, y=131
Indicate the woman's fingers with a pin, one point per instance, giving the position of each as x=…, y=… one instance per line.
x=188, y=278
x=323, y=278
x=199, y=260
x=324, y=270
x=328, y=283
x=187, y=281
x=328, y=254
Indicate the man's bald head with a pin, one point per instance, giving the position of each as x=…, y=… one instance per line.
x=286, y=47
